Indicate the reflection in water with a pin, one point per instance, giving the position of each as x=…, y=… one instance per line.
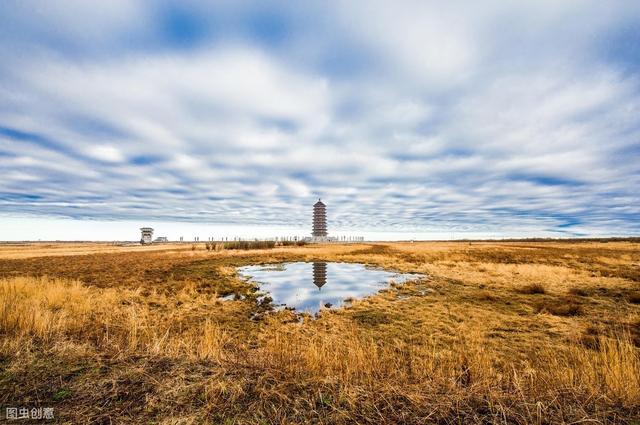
x=309, y=286
x=319, y=274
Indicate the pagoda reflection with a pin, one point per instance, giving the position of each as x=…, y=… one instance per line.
x=319, y=274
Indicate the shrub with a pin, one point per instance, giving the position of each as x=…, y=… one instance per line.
x=249, y=245
x=292, y=243
x=214, y=246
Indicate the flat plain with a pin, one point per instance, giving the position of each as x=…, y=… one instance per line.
x=493, y=332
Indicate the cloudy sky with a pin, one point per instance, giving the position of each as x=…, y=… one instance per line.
x=409, y=119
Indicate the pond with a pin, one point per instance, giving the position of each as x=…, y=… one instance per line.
x=309, y=286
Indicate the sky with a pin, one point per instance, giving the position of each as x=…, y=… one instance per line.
x=410, y=119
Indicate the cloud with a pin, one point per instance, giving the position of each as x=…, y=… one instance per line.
x=105, y=153
x=489, y=118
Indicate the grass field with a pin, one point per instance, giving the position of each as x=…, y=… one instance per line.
x=513, y=332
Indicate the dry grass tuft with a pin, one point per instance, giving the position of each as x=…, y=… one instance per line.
x=559, y=307
x=533, y=288
x=485, y=295
x=43, y=308
x=610, y=370
x=579, y=292
x=590, y=338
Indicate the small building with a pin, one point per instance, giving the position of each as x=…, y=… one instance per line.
x=161, y=239
x=146, y=235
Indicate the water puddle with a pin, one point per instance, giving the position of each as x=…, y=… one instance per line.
x=310, y=286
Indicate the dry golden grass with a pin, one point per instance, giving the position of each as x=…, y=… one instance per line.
x=469, y=343
x=40, y=249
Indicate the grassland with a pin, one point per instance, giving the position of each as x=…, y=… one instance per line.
x=527, y=332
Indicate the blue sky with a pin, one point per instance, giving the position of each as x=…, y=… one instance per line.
x=410, y=119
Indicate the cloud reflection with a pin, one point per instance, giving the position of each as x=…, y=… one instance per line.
x=310, y=286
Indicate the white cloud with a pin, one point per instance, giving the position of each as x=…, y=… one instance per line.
x=487, y=117
x=105, y=153
x=429, y=42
